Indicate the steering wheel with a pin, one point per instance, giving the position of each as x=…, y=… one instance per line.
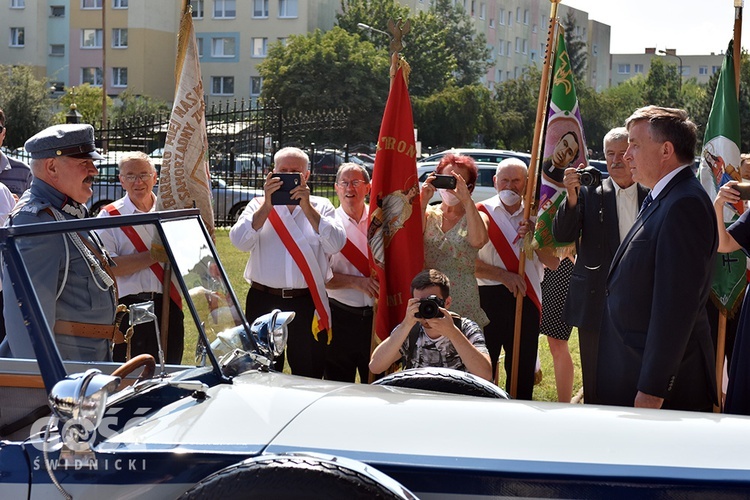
x=148, y=363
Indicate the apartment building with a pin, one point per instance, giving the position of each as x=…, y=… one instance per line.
x=700, y=67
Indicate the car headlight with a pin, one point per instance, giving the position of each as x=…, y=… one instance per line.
x=82, y=396
x=270, y=332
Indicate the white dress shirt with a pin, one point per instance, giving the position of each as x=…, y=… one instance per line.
x=356, y=231
x=117, y=243
x=627, y=207
x=270, y=263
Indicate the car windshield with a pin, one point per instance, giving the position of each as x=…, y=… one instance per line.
x=207, y=302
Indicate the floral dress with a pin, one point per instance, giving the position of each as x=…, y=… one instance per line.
x=452, y=254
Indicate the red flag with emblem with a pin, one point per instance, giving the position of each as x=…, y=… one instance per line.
x=395, y=231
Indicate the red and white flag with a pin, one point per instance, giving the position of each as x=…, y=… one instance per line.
x=395, y=231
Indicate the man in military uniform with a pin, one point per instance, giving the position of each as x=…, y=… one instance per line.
x=69, y=272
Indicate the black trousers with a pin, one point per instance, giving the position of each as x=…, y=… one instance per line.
x=144, y=338
x=349, y=352
x=307, y=356
x=500, y=306
x=2, y=319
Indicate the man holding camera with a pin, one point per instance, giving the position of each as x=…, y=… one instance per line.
x=290, y=246
x=597, y=218
x=499, y=282
x=430, y=335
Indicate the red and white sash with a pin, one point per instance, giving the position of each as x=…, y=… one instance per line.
x=355, y=249
x=291, y=236
x=140, y=246
x=500, y=232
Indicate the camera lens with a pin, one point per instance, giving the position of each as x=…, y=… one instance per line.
x=428, y=310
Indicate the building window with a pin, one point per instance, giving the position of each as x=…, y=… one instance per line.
x=17, y=4
x=256, y=85
x=225, y=9
x=91, y=4
x=510, y=18
x=702, y=70
x=525, y=48
x=287, y=8
x=17, y=37
x=518, y=44
x=492, y=22
x=91, y=39
x=57, y=11
x=532, y=56
x=715, y=69
x=534, y=28
x=501, y=48
x=526, y=17
x=518, y=14
x=119, y=4
x=199, y=41
x=595, y=50
x=686, y=71
x=638, y=68
x=120, y=38
x=119, y=77
x=509, y=49
x=92, y=76
x=197, y=6
x=260, y=47
x=260, y=8
x=222, y=85
x=222, y=47
x=57, y=50
x=623, y=69
x=58, y=86
x=482, y=10
x=501, y=17
x=283, y=41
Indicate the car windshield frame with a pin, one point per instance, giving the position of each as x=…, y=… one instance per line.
x=42, y=338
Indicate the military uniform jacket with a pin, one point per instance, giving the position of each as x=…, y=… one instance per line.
x=62, y=279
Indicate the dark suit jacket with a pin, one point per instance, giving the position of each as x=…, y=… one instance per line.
x=17, y=178
x=656, y=337
x=593, y=225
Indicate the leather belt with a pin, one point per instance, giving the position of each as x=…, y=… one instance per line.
x=285, y=293
x=89, y=331
x=364, y=311
x=144, y=296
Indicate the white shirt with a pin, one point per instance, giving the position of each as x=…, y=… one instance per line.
x=356, y=231
x=627, y=207
x=270, y=263
x=7, y=202
x=117, y=243
x=488, y=254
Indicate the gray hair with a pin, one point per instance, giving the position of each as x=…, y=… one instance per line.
x=616, y=134
x=511, y=162
x=135, y=156
x=352, y=166
x=291, y=152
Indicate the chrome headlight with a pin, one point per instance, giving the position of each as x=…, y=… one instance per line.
x=82, y=396
x=270, y=332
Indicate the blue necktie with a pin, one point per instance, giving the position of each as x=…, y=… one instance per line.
x=646, y=202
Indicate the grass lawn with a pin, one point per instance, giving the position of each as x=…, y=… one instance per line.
x=234, y=263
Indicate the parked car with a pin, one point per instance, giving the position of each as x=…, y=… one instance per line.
x=230, y=427
x=228, y=200
x=243, y=164
x=485, y=186
x=480, y=155
x=328, y=162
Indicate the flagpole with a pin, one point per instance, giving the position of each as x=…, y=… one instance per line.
x=529, y=197
x=737, y=43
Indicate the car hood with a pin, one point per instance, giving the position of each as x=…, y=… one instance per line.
x=279, y=413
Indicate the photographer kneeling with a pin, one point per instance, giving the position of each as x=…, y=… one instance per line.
x=431, y=336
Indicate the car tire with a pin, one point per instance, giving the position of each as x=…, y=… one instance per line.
x=295, y=476
x=97, y=207
x=236, y=211
x=443, y=380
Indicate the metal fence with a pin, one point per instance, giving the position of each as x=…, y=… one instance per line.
x=242, y=140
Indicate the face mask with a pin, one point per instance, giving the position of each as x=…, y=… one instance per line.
x=509, y=198
x=449, y=199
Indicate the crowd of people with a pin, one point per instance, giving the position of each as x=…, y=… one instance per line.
x=623, y=281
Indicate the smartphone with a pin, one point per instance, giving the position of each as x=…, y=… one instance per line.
x=444, y=182
x=289, y=181
x=744, y=189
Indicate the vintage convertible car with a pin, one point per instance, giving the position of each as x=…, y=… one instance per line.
x=229, y=427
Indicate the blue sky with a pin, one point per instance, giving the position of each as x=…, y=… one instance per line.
x=690, y=26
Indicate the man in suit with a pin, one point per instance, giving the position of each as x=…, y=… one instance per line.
x=655, y=349
x=596, y=218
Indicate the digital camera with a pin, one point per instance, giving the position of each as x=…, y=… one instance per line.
x=589, y=176
x=430, y=307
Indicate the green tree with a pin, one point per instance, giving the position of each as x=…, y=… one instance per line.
x=134, y=106
x=456, y=116
x=88, y=101
x=336, y=69
x=517, y=102
x=662, y=86
x=442, y=47
x=576, y=48
x=25, y=102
